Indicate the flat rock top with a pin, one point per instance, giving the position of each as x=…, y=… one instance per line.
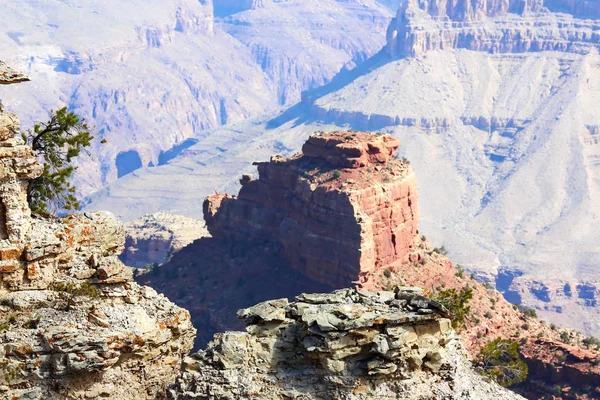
x=346, y=160
x=348, y=309
x=9, y=75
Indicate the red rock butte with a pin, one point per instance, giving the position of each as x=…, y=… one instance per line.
x=342, y=209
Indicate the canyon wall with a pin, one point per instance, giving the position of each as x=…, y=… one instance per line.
x=150, y=74
x=587, y=9
x=73, y=324
x=503, y=26
x=335, y=222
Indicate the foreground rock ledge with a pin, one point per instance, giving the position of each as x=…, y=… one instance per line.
x=342, y=345
x=73, y=324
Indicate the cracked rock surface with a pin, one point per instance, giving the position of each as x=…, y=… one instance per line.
x=340, y=345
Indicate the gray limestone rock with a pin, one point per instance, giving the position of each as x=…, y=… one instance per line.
x=340, y=345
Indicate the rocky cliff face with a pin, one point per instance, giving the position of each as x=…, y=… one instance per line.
x=9, y=75
x=334, y=222
x=74, y=325
x=497, y=27
x=340, y=345
x=154, y=238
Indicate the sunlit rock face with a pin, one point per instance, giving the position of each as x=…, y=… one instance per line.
x=341, y=208
x=504, y=26
x=74, y=324
x=343, y=344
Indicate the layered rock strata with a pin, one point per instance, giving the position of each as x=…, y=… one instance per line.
x=343, y=345
x=343, y=208
x=73, y=324
x=503, y=26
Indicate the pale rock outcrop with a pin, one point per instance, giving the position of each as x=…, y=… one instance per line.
x=502, y=26
x=9, y=75
x=336, y=222
x=73, y=324
x=342, y=345
x=154, y=238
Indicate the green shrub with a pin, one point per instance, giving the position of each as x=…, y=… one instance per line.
x=33, y=322
x=488, y=315
x=83, y=289
x=9, y=372
x=457, y=304
x=556, y=390
x=565, y=337
x=336, y=174
x=441, y=250
x=461, y=271
x=500, y=361
x=591, y=341
x=529, y=312
x=387, y=273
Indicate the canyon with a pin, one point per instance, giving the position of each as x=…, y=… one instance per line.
x=503, y=139
x=152, y=76
x=353, y=211
x=76, y=326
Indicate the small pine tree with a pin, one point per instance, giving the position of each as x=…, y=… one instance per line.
x=457, y=303
x=58, y=142
x=500, y=361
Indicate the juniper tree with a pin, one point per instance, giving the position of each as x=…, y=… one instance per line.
x=58, y=142
x=500, y=361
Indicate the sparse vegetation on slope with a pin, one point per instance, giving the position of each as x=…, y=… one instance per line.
x=501, y=362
